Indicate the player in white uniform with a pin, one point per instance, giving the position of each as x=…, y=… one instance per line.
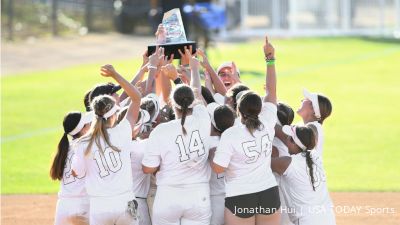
x=141, y=181
x=222, y=118
x=73, y=202
x=244, y=152
x=178, y=150
x=315, y=108
x=285, y=117
x=303, y=180
x=104, y=155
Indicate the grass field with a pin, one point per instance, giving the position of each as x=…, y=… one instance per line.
x=360, y=76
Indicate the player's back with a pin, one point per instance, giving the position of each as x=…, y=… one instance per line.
x=108, y=172
x=71, y=186
x=182, y=158
x=297, y=188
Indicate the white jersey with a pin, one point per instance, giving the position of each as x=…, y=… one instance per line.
x=108, y=173
x=217, y=184
x=247, y=157
x=141, y=181
x=297, y=190
x=182, y=158
x=320, y=142
x=70, y=186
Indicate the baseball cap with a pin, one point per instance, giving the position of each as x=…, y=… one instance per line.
x=291, y=131
x=227, y=65
x=103, y=89
x=313, y=97
x=85, y=119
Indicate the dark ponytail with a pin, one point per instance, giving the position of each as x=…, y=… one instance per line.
x=310, y=163
x=71, y=120
x=307, y=136
x=249, y=106
x=183, y=97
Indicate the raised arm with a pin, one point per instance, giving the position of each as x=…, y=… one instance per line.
x=280, y=164
x=269, y=53
x=154, y=64
x=139, y=75
x=195, y=82
x=131, y=91
x=216, y=81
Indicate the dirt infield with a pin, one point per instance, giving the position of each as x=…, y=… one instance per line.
x=351, y=209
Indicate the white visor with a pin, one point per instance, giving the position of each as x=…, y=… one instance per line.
x=85, y=119
x=111, y=112
x=313, y=97
x=291, y=131
x=211, y=109
x=227, y=65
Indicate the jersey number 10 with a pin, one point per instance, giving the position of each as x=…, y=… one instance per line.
x=110, y=160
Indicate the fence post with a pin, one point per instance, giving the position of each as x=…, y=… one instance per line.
x=293, y=15
x=89, y=14
x=54, y=17
x=397, y=3
x=345, y=12
x=244, y=11
x=382, y=16
x=10, y=20
x=276, y=14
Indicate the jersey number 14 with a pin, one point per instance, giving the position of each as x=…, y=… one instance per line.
x=195, y=145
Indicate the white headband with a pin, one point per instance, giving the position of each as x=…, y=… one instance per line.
x=211, y=109
x=111, y=112
x=85, y=119
x=314, y=101
x=189, y=107
x=291, y=131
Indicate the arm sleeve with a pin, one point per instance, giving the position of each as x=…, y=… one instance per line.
x=268, y=115
x=224, y=152
x=152, y=154
x=78, y=162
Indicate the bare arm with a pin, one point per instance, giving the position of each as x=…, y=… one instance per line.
x=216, y=81
x=149, y=170
x=154, y=63
x=269, y=52
x=131, y=91
x=279, y=134
x=195, y=82
x=215, y=167
x=280, y=164
x=139, y=75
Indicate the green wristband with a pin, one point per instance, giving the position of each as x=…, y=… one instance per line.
x=270, y=62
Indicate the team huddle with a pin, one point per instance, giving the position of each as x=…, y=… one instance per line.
x=171, y=151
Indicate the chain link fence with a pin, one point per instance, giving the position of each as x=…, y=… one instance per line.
x=36, y=18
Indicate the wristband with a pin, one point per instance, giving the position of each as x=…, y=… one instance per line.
x=151, y=67
x=270, y=62
x=187, y=66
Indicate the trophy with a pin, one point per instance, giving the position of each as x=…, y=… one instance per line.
x=174, y=37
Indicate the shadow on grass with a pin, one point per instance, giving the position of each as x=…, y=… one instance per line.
x=381, y=40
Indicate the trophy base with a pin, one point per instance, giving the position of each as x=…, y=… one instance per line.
x=172, y=48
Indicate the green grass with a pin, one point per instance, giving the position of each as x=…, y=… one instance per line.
x=361, y=77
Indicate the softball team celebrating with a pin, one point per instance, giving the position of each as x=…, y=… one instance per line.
x=218, y=153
